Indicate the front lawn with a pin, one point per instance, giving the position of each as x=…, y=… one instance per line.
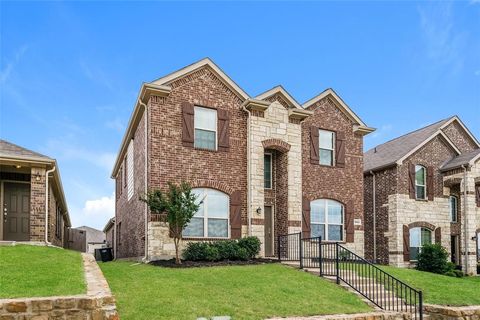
x=440, y=289
x=35, y=271
x=243, y=292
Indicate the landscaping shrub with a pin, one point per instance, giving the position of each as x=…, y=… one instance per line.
x=434, y=258
x=243, y=249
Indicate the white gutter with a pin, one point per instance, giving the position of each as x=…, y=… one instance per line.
x=145, y=258
x=249, y=195
x=374, y=204
x=465, y=220
x=46, y=202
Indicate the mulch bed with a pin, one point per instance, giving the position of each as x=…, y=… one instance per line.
x=197, y=264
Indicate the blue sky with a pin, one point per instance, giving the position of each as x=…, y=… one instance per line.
x=70, y=71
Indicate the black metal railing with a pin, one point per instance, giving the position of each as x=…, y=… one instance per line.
x=334, y=260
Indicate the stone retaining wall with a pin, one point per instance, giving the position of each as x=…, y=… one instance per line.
x=386, y=315
x=437, y=312
x=97, y=304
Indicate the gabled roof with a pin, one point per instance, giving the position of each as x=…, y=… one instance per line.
x=200, y=64
x=362, y=127
x=467, y=158
x=12, y=151
x=397, y=150
x=282, y=92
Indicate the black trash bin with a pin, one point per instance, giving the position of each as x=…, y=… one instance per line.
x=104, y=254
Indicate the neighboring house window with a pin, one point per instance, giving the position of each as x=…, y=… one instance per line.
x=418, y=238
x=205, y=122
x=130, y=180
x=267, y=173
x=212, y=218
x=327, y=147
x=453, y=208
x=327, y=218
x=420, y=182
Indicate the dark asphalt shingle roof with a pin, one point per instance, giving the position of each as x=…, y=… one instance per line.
x=460, y=160
x=390, y=152
x=10, y=150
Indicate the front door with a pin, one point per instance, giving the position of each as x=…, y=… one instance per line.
x=268, y=231
x=16, y=212
x=454, y=249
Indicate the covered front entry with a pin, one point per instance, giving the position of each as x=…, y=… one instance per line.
x=16, y=211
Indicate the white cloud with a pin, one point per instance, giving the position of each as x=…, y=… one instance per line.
x=102, y=207
x=115, y=124
x=5, y=73
x=477, y=73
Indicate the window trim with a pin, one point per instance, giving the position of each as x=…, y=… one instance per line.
x=326, y=224
x=419, y=248
x=270, y=154
x=195, y=107
x=334, y=134
x=450, y=198
x=205, y=217
x=425, y=197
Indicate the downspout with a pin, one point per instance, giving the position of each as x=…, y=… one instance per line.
x=465, y=219
x=374, y=204
x=249, y=195
x=47, y=173
x=145, y=258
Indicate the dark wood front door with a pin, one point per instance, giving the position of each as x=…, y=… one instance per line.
x=268, y=231
x=16, y=211
x=454, y=247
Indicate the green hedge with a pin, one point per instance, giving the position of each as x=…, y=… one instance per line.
x=242, y=249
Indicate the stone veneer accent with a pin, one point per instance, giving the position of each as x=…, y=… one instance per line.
x=438, y=312
x=385, y=315
x=97, y=304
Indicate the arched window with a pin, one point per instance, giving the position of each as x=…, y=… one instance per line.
x=418, y=238
x=212, y=218
x=326, y=218
x=453, y=201
x=420, y=182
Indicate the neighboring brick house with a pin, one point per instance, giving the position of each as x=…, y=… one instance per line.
x=420, y=188
x=109, y=231
x=25, y=200
x=263, y=164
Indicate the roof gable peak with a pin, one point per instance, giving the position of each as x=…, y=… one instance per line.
x=281, y=91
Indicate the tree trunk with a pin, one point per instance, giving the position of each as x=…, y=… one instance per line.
x=176, y=241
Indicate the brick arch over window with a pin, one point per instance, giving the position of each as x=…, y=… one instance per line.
x=422, y=224
x=276, y=144
x=220, y=186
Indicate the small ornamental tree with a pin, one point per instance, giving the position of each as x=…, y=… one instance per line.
x=179, y=204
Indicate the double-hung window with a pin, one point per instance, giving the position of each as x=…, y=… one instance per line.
x=420, y=182
x=205, y=122
x=326, y=147
x=267, y=173
x=418, y=238
x=212, y=218
x=453, y=208
x=327, y=219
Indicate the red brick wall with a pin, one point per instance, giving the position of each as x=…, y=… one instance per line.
x=341, y=184
x=459, y=137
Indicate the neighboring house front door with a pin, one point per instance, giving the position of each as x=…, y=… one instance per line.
x=268, y=231
x=16, y=212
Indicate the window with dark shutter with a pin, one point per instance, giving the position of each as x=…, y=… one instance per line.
x=306, y=218
x=187, y=124
x=314, y=141
x=223, y=124
x=340, y=149
x=406, y=242
x=430, y=184
x=349, y=222
x=236, y=215
x=411, y=179
x=477, y=194
x=438, y=235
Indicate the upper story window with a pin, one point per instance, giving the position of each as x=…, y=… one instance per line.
x=420, y=182
x=326, y=147
x=453, y=201
x=205, y=122
x=418, y=238
x=267, y=173
x=327, y=219
x=212, y=218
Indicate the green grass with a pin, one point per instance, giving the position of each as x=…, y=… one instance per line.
x=440, y=289
x=243, y=292
x=35, y=271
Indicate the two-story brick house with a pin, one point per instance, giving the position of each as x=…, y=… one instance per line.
x=424, y=187
x=265, y=165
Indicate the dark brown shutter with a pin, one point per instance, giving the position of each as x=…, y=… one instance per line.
x=349, y=222
x=314, y=157
x=340, y=149
x=411, y=178
x=406, y=243
x=438, y=235
x=236, y=215
x=223, y=124
x=430, y=184
x=187, y=124
x=477, y=194
x=306, y=218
